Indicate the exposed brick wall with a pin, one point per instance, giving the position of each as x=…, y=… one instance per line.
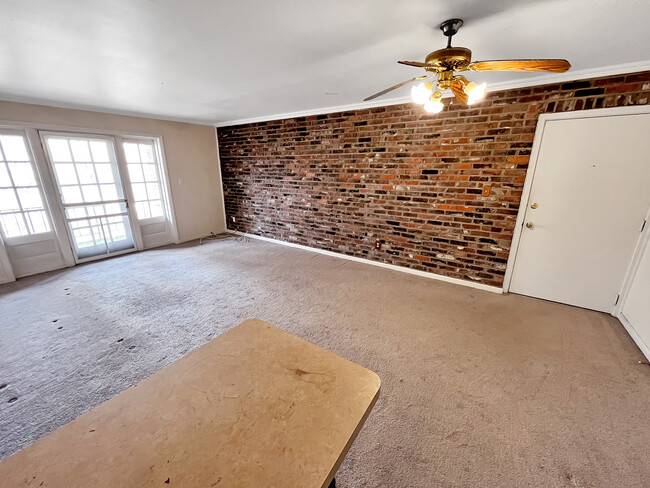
x=415, y=181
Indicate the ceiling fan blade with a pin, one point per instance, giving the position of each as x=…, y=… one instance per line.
x=417, y=64
x=378, y=94
x=554, y=65
x=458, y=91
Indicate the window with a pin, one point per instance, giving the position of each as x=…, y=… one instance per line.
x=91, y=192
x=22, y=211
x=144, y=176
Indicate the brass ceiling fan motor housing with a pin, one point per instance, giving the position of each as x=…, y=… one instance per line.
x=450, y=58
x=444, y=62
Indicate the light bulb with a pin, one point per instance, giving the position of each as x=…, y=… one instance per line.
x=434, y=107
x=420, y=93
x=475, y=92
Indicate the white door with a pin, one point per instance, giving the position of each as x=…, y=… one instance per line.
x=148, y=191
x=26, y=226
x=589, y=196
x=636, y=309
x=92, y=196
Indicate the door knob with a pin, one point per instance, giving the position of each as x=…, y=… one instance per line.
x=529, y=225
x=534, y=205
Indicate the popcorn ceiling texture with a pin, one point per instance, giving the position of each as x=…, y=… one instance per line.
x=441, y=192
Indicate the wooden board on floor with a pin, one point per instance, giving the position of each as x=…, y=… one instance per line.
x=255, y=407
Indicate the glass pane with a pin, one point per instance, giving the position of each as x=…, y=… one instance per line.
x=13, y=225
x=135, y=173
x=150, y=172
x=65, y=174
x=139, y=192
x=104, y=173
x=22, y=174
x=153, y=191
x=83, y=237
x=131, y=152
x=30, y=198
x=59, y=150
x=100, y=151
x=4, y=176
x=86, y=174
x=80, y=150
x=91, y=193
x=118, y=231
x=146, y=153
x=71, y=194
x=142, y=209
x=14, y=148
x=156, y=208
x=38, y=222
x=8, y=202
x=113, y=208
x=96, y=227
x=75, y=212
x=108, y=192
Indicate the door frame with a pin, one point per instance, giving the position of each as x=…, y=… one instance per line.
x=528, y=184
x=35, y=128
x=126, y=190
x=43, y=176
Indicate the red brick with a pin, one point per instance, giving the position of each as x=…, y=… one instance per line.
x=285, y=187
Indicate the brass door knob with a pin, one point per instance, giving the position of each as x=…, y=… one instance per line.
x=529, y=225
x=534, y=205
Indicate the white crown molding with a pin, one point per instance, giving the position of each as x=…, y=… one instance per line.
x=4, y=97
x=506, y=85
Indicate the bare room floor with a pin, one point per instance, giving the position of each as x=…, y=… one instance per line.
x=478, y=389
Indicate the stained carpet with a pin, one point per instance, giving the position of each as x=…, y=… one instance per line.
x=478, y=389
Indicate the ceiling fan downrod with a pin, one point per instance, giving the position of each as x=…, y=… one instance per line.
x=449, y=28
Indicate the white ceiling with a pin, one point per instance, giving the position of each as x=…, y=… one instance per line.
x=213, y=61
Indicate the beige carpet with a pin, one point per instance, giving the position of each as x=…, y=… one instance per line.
x=478, y=389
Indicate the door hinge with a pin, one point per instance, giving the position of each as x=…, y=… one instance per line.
x=643, y=225
x=618, y=297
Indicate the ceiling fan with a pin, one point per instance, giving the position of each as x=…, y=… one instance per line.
x=443, y=63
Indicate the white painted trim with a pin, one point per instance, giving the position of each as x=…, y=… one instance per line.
x=167, y=188
x=103, y=110
x=645, y=349
x=532, y=166
x=423, y=274
x=639, y=251
x=223, y=198
x=12, y=124
x=52, y=198
x=6, y=270
x=505, y=85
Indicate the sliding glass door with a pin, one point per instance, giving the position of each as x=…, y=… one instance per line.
x=92, y=196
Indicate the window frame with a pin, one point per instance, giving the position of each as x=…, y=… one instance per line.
x=162, y=180
x=30, y=237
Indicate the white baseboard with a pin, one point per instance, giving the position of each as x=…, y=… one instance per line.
x=424, y=274
x=633, y=334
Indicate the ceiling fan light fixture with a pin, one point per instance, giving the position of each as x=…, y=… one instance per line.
x=475, y=92
x=433, y=107
x=421, y=92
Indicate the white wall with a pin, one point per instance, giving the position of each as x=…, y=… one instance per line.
x=190, y=153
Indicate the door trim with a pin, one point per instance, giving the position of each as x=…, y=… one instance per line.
x=137, y=134
x=530, y=174
x=135, y=229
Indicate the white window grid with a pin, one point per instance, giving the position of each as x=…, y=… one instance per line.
x=144, y=176
x=22, y=208
x=94, y=204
